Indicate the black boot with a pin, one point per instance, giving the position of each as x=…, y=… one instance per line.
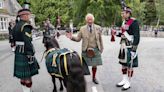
x=61, y=84
x=95, y=81
x=54, y=83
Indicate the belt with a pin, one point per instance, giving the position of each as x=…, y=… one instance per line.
x=128, y=46
x=19, y=43
x=20, y=46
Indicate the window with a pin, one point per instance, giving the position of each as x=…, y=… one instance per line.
x=1, y=4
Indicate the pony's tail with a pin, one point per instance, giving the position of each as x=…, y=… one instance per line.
x=76, y=81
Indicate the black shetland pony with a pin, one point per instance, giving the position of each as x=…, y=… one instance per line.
x=73, y=81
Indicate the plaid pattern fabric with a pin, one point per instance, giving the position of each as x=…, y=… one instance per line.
x=22, y=69
x=49, y=59
x=135, y=61
x=95, y=61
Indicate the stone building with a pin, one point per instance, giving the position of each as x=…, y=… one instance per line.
x=8, y=12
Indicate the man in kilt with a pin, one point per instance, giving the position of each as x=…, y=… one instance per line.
x=130, y=37
x=25, y=65
x=91, y=44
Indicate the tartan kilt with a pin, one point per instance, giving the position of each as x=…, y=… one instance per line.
x=135, y=61
x=22, y=69
x=95, y=61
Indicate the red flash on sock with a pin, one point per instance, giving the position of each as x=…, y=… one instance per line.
x=124, y=71
x=94, y=72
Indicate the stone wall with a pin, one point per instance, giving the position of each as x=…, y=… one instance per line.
x=4, y=36
x=151, y=34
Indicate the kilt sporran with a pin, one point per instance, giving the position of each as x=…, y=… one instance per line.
x=90, y=53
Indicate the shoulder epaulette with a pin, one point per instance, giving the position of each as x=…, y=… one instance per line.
x=26, y=24
x=50, y=50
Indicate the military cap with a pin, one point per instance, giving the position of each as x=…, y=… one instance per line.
x=128, y=9
x=24, y=11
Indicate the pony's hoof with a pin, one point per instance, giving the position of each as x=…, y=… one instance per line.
x=61, y=89
x=54, y=90
x=95, y=81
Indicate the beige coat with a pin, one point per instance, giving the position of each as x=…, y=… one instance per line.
x=84, y=35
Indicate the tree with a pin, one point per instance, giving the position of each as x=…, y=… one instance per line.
x=139, y=11
x=160, y=12
x=150, y=14
x=106, y=12
x=20, y=2
x=50, y=9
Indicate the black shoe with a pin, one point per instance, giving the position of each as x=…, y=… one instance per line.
x=124, y=89
x=95, y=81
x=119, y=85
x=54, y=90
x=61, y=88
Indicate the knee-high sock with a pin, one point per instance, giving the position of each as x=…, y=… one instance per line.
x=23, y=83
x=130, y=73
x=94, y=69
x=29, y=84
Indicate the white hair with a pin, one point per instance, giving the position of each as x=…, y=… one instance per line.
x=89, y=15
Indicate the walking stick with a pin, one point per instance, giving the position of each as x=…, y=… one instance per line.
x=42, y=57
x=131, y=65
x=131, y=68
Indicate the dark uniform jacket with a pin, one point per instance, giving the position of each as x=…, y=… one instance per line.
x=23, y=33
x=135, y=32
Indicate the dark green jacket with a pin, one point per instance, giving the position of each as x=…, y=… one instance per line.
x=135, y=31
x=22, y=32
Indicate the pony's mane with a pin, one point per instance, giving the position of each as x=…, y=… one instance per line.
x=51, y=42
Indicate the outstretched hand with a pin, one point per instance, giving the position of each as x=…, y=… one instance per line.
x=69, y=35
x=113, y=32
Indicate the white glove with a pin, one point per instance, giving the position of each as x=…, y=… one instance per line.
x=133, y=54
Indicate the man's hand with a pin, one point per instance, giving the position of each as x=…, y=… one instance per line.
x=113, y=32
x=101, y=50
x=133, y=54
x=69, y=35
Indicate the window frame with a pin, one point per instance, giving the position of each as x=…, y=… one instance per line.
x=1, y=4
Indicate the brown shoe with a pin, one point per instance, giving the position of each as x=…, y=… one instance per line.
x=95, y=81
